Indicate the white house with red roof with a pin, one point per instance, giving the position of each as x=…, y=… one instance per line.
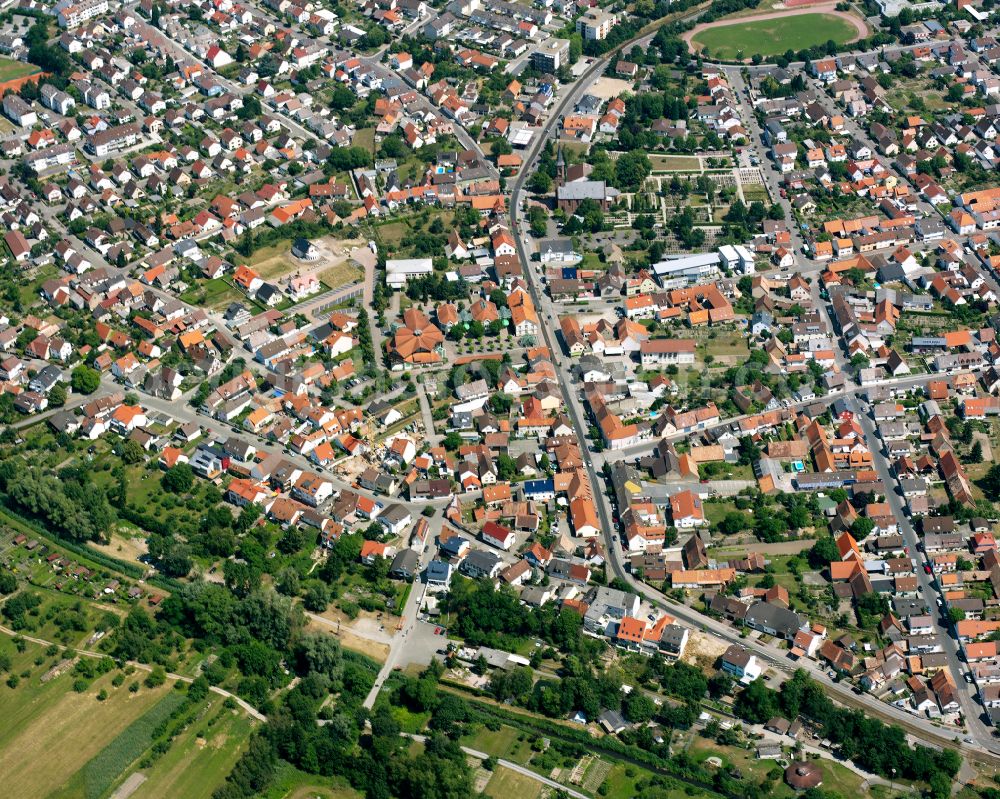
x=497, y=535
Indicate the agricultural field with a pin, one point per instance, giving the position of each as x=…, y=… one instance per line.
x=97, y=776
x=120, y=730
x=39, y=717
x=770, y=37
x=200, y=757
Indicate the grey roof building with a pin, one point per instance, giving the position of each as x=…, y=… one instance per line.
x=774, y=620
x=404, y=565
x=586, y=190
x=673, y=639
x=479, y=563
x=438, y=574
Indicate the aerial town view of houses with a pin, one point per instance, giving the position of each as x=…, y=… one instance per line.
x=500, y=398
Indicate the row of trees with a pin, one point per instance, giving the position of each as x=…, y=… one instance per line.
x=485, y=616
x=582, y=687
x=365, y=343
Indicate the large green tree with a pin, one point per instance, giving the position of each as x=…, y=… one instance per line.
x=85, y=380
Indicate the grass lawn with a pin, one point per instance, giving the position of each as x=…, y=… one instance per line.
x=364, y=138
x=729, y=345
x=505, y=784
x=906, y=89
x=340, y=274
x=766, y=5
x=502, y=743
x=784, y=578
x=622, y=783
x=272, y=261
x=575, y=150
x=294, y=784
x=216, y=293
x=127, y=544
x=28, y=290
x=50, y=732
x=201, y=757
x=726, y=471
x=715, y=512
x=10, y=69
x=675, y=163
x=393, y=233
x=771, y=37
x=408, y=720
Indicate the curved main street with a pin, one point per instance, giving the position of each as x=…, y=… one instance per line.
x=985, y=748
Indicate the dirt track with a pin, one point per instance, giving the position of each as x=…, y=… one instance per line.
x=861, y=29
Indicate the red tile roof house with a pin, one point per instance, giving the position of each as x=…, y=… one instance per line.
x=371, y=550
x=497, y=535
x=368, y=508
x=686, y=509
x=17, y=244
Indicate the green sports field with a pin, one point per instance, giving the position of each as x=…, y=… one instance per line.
x=15, y=69
x=770, y=37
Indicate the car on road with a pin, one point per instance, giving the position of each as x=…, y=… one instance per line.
x=927, y=569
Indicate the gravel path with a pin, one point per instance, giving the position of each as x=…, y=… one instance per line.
x=130, y=786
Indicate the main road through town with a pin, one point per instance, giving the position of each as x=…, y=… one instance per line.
x=985, y=748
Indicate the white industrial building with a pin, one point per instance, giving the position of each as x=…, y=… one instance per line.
x=401, y=270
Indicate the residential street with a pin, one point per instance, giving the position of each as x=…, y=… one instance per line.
x=971, y=710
